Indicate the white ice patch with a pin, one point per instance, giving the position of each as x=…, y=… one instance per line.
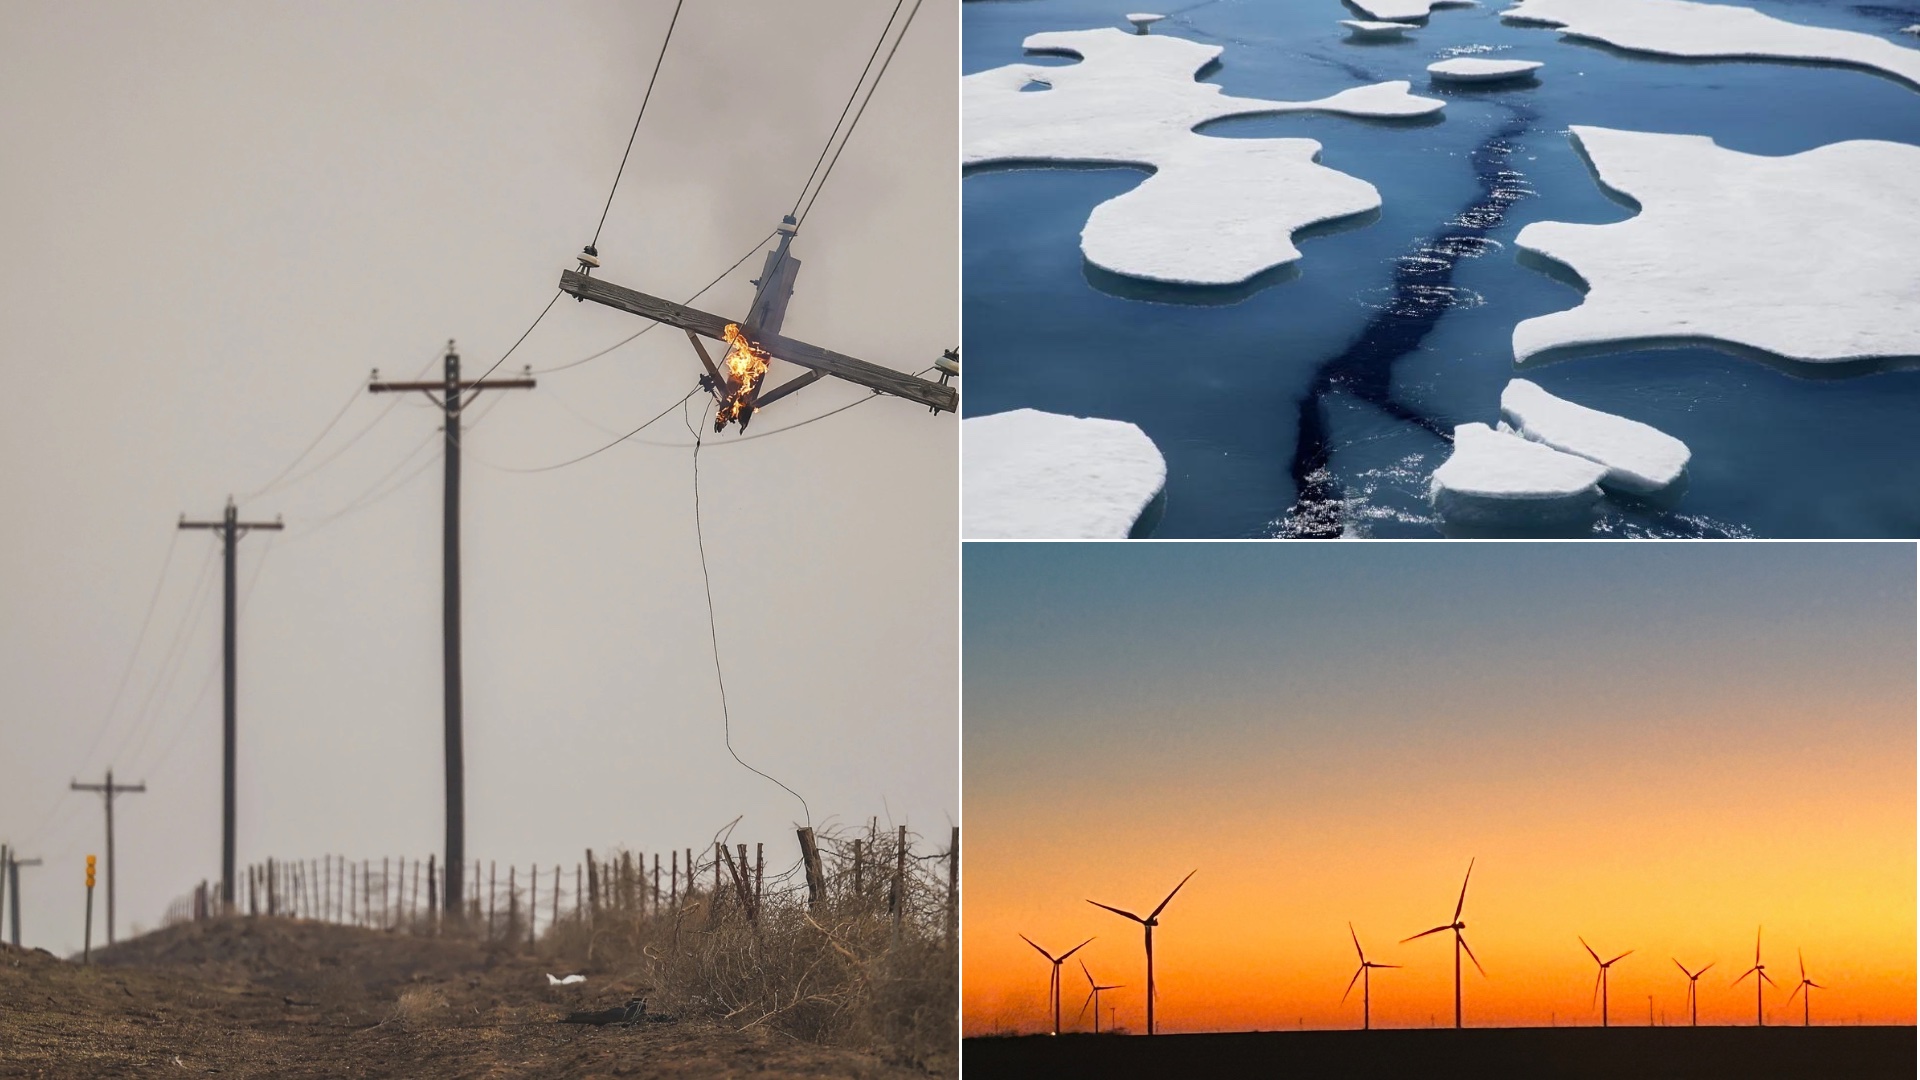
x=1142, y=20
x=1133, y=100
x=1376, y=31
x=1715, y=31
x=1809, y=257
x=1031, y=475
x=1406, y=9
x=1494, y=478
x=1639, y=459
x=1467, y=69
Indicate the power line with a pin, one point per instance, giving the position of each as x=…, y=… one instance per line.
x=648, y=96
x=703, y=291
x=523, y=336
x=591, y=453
x=302, y=456
x=713, y=632
x=864, y=102
x=100, y=730
x=857, y=83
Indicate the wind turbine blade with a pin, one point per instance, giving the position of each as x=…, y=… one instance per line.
x=1702, y=971
x=1795, y=994
x=1803, y=964
x=1683, y=968
x=1356, y=944
x=1350, y=982
x=1083, y=1007
x=1590, y=952
x=1815, y=985
x=1117, y=911
x=1622, y=956
x=1756, y=945
x=1424, y=933
x=1595, y=998
x=1176, y=888
x=1461, y=906
x=1743, y=976
x=1075, y=949
x=1470, y=956
x=1769, y=979
x=1036, y=948
x=1089, y=974
x=1383, y=965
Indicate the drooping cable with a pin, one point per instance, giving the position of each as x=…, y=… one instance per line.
x=855, y=92
x=864, y=102
x=648, y=96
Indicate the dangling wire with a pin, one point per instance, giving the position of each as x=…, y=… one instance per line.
x=648, y=96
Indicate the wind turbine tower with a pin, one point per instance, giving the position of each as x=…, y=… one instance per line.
x=1459, y=943
x=1693, y=990
x=1806, y=1001
x=1151, y=921
x=1600, y=979
x=1759, y=984
x=1365, y=978
x=1053, y=984
x=1093, y=996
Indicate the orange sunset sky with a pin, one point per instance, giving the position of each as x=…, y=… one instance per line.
x=1657, y=747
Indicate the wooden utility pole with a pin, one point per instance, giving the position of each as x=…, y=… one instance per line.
x=110, y=789
x=453, y=397
x=231, y=529
x=12, y=862
x=762, y=329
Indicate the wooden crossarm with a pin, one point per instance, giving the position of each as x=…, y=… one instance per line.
x=838, y=365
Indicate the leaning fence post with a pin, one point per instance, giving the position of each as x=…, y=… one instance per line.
x=816, y=879
x=953, y=890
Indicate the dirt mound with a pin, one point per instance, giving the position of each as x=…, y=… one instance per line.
x=279, y=997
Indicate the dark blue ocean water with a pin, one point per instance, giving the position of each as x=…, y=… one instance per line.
x=1317, y=404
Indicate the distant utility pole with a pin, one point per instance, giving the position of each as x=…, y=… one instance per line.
x=231, y=530
x=109, y=790
x=11, y=862
x=454, y=396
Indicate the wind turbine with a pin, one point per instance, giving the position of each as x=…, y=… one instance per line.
x=1364, y=977
x=1459, y=943
x=1053, y=984
x=1760, y=969
x=1600, y=979
x=1806, y=1003
x=1693, y=989
x=1093, y=995
x=1151, y=921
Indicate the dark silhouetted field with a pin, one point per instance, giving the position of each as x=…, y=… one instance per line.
x=1855, y=1053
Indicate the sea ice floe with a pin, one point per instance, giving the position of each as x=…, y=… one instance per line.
x=1639, y=459
x=1807, y=257
x=1370, y=30
x=1133, y=100
x=1469, y=69
x=1714, y=31
x=1496, y=479
x=1031, y=475
x=1402, y=10
x=1142, y=20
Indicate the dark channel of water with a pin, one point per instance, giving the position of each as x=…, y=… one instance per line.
x=1422, y=292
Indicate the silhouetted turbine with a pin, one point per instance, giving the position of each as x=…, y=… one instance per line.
x=1759, y=988
x=1693, y=989
x=1459, y=943
x=1093, y=995
x=1151, y=921
x=1600, y=979
x=1053, y=984
x=1806, y=1004
x=1364, y=977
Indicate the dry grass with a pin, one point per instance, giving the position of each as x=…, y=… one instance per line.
x=844, y=972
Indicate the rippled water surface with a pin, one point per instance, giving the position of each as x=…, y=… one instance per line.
x=1318, y=403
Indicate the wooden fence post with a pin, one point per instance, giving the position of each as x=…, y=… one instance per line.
x=593, y=886
x=579, y=893
x=857, y=883
x=555, y=921
x=816, y=878
x=656, y=883
x=673, y=884
x=953, y=890
x=759, y=874
x=273, y=906
x=898, y=899
x=433, y=890
x=492, y=883
x=626, y=882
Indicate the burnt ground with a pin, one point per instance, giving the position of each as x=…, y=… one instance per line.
x=1643, y=1053
x=283, y=998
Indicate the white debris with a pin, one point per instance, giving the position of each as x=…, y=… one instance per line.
x=1715, y=31
x=1807, y=257
x=1639, y=459
x=1469, y=69
x=1494, y=478
x=1914, y=29
x=1406, y=9
x=1372, y=31
x=1133, y=100
x=1143, y=20
x=1031, y=475
x=553, y=980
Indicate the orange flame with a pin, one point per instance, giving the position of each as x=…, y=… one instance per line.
x=745, y=365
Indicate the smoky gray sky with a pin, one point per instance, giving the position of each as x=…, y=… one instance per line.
x=215, y=218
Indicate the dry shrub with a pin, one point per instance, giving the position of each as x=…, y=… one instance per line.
x=845, y=972
x=416, y=1005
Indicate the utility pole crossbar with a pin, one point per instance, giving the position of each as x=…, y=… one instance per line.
x=454, y=394
x=825, y=361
